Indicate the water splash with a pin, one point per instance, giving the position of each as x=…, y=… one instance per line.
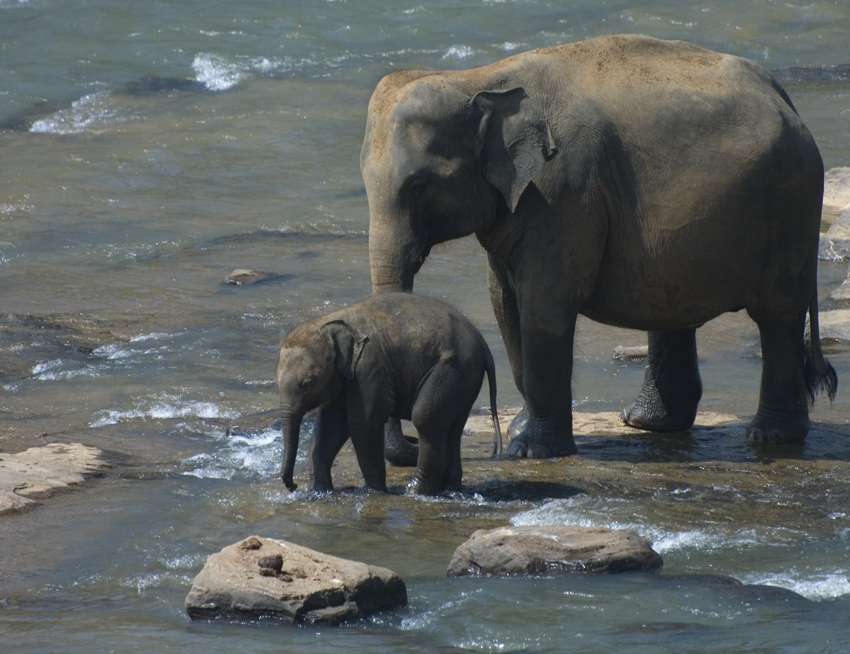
x=216, y=73
x=164, y=407
x=91, y=112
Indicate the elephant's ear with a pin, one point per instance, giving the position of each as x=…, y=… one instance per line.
x=347, y=343
x=516, y=140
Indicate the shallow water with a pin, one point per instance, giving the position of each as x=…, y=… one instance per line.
x=148, y=149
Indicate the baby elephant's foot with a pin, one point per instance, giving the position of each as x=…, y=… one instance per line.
x=766, y=430
x=534, y=440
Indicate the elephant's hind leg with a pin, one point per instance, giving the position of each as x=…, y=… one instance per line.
x=783, y=412
x=439, y=414
x=671, y=384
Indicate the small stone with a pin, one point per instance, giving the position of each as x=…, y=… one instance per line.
x=252, y=543
x=630, y=352
x=244, y=276
x=552, y=550
x=265, y=578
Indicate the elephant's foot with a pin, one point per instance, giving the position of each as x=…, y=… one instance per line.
x=531, y=438
x=775, y=429
x=421, y=486
x=675, y=411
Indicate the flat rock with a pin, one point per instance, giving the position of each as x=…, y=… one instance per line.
x=834, y=324
x=551, y=550
x=836, y=191
x=35, y=474
x=264, y=578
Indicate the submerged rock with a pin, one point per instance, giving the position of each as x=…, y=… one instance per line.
x=550, y=550
x=245, y=276
x=37, y=473
x=264, y=578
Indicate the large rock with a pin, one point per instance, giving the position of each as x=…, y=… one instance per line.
x=835, y=243
x=264, y=578
x=836, y=191
x=552, y=549
x=35, y=474
x=834, y=324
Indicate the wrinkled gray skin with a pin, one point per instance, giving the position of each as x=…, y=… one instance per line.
x=393, y=355
x=645, y=184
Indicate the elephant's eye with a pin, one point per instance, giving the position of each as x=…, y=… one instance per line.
x=307, y=382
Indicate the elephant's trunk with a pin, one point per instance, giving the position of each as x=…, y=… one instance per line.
x=393, y=261
x=291, y=425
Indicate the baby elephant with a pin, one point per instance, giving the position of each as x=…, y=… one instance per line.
x=393, y=355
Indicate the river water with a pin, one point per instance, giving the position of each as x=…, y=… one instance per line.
x=147, y=149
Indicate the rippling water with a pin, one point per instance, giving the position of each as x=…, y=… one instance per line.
x=150, y=148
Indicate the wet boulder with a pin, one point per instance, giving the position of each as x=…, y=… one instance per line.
x=836, y=192
x=264, y=578
x=835, y=243
x=551, y=550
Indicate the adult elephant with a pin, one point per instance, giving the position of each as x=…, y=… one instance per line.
x=643, y=183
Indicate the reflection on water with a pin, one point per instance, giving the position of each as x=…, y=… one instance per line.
x=150, y=150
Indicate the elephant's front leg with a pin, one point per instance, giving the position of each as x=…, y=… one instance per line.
x=506, y=310
x=546, y=429
x=367, y=437
x=671, y=384
x=330, y=432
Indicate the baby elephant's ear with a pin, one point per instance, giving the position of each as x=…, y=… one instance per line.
x=347, y=343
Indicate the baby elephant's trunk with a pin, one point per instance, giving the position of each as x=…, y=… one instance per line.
x=291, y=425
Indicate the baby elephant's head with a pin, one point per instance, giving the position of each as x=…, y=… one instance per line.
x=315, y=360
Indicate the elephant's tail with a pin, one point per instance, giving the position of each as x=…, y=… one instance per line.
x=819, y=373
x=491, y=382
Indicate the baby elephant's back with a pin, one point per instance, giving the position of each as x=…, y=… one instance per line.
x=420, y=328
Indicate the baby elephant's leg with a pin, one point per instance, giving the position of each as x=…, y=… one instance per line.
x=367, y=437
x=330, y=432
x=439, y=415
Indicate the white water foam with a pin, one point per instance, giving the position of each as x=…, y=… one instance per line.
x=586, y=511
x=255, y=455
x=162, y=408
x=217, y=73
x=458, y=52
x=811, y=585
x=90, y=113
x=53, y=371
